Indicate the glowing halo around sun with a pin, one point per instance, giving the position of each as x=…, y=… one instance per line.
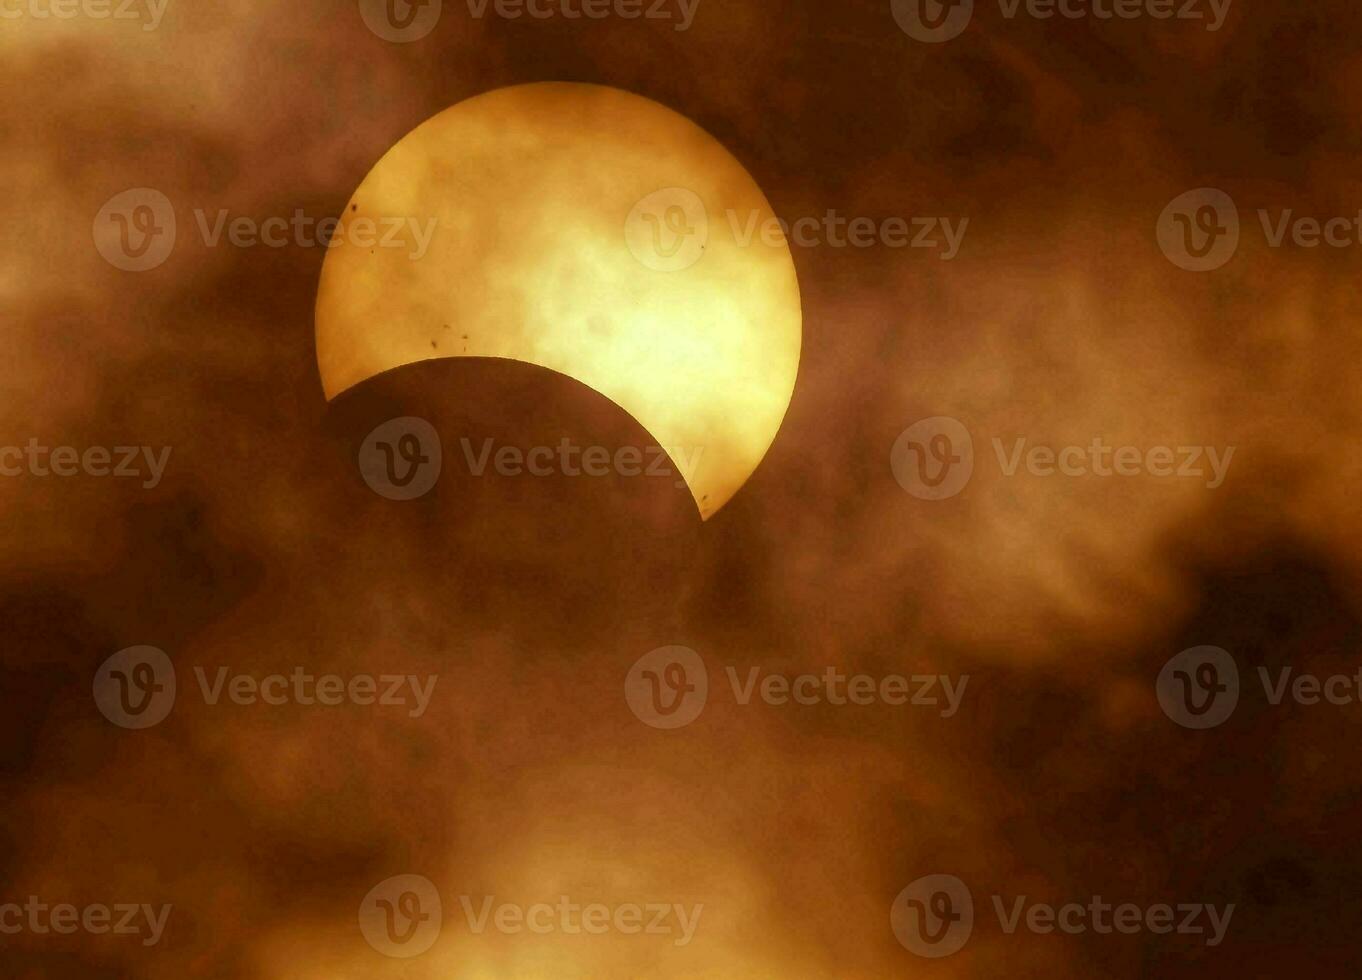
x=589, y=231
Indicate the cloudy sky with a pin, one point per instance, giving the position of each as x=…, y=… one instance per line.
x=243, y=541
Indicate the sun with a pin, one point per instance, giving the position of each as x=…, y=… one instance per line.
x=591, y=232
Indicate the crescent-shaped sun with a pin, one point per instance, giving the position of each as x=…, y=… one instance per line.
x=589, y=231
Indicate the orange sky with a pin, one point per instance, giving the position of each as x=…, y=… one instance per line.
x=528, y=777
